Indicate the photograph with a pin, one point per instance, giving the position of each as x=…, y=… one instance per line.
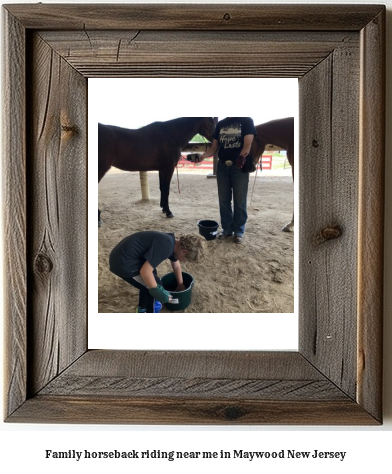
x=212, y=200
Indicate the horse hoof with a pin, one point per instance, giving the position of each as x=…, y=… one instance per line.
x=170, y=215
x=100, y=223
x=287, y=228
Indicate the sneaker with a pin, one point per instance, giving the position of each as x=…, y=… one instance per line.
x=140, y=310
x=238, y=239
x=223, y=236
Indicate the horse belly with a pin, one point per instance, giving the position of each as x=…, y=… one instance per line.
x=133, y=165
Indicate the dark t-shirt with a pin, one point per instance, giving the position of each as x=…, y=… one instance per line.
x=131, y=253
x=230, y=133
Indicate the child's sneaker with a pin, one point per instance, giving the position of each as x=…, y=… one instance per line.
x=140, y=310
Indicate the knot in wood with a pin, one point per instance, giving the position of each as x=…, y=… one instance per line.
x=43, y=264
x=315, y=143
x=328, y=233
x=232, y=412
x=227, y=16
x=69, y=129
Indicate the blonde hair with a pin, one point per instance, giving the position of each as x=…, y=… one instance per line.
x=195, y=246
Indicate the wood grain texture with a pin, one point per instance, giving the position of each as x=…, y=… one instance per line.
x=57, y=215
x=371, y=215
x=192, y=17
x=329, y=209
x=155, y=411
x=191, y=53
x=209, y=364
x=14, y=212
x=335, y=378
x=201, y=387
x=208, y=375
x=192, y=387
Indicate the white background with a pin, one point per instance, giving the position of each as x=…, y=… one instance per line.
x=133, y=103
x=368, y=449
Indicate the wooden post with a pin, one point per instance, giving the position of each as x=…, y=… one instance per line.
x=144, y=184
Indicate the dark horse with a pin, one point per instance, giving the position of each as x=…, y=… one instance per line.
x=281, y=134
x=156, y=147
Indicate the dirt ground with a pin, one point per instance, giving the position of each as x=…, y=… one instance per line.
x=256, y=276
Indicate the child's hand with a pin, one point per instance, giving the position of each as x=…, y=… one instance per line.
x=181, y=287
x=160, y=294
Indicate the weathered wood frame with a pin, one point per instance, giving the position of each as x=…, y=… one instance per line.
x=337, y=52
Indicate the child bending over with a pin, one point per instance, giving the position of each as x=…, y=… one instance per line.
x=136, y=258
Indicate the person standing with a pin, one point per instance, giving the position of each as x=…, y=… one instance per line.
x=232, y=140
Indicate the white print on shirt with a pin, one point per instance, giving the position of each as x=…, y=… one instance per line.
x=230, y=136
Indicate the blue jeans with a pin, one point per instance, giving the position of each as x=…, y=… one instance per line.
x=232, y=186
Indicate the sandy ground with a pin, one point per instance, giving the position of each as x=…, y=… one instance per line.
x=256, y=276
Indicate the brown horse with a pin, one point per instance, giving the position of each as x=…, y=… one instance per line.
x=281, y=134
x=156, y=147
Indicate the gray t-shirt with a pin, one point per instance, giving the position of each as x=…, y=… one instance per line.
x=129, y=255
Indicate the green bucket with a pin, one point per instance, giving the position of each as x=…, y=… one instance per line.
x=184, y=297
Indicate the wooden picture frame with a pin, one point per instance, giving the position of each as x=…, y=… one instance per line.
x=338, y=54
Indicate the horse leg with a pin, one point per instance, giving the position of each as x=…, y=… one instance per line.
x=160, y=189
x=289, y=227
x=258, y=147
x=102, y=170
x=290, y=156
x=164, y=185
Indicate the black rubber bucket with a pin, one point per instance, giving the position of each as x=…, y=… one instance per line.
x=208, y=229
x=184, y=297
